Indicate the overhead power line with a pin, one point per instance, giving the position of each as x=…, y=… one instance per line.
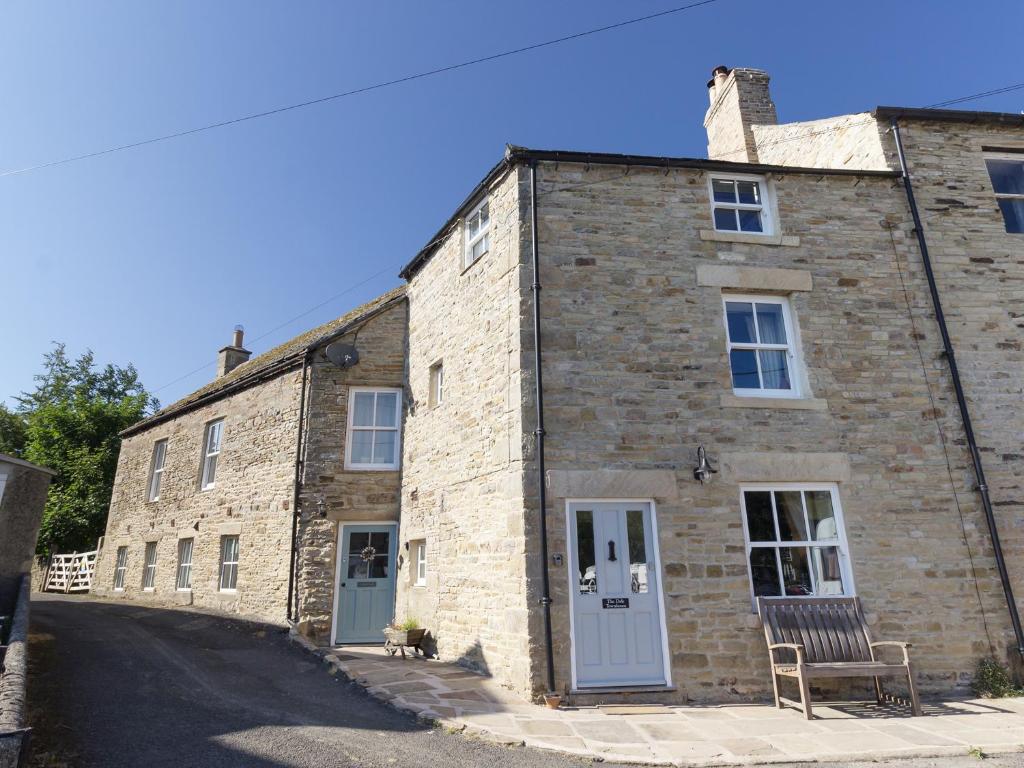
x=831, y=129
x=1005, y=89
x=364, y=89
x=799, y=137
x=391, y=268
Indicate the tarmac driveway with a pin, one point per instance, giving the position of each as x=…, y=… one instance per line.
x=116, y=684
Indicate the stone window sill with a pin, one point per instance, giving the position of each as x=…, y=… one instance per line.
x=775, y=403
x=742, y=237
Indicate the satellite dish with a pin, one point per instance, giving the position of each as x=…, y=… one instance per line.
x=342, y=355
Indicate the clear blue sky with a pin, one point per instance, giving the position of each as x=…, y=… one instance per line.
x=152, y=255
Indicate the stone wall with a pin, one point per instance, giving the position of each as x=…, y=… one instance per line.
x=849, y=141
x=637, y=377
x=23, y=489
x=342, y=495
x=462, y=464
x=252, y=498
x=979, y=269
x=739, y=101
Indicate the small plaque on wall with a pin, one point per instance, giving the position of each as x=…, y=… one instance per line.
x=615, y=602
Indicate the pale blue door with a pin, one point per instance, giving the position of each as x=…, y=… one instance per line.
x=616, y=595
x=366, y=583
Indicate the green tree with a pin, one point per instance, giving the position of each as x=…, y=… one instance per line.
x=12, y=432
x=72, y=422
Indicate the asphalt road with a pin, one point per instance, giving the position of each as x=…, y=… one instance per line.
x=115, y=685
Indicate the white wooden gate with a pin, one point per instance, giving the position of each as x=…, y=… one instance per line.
x=70, y=573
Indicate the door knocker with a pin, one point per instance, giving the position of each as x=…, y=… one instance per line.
x=611, y=551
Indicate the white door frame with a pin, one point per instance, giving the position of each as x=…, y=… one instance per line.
x=666, y=661
x=338, y=540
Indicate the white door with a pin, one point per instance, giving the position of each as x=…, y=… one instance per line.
x=616, y=595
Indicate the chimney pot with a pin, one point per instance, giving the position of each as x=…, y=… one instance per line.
x=232, y=356
x=718, y=77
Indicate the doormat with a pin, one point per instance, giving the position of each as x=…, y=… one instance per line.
x=635, y=709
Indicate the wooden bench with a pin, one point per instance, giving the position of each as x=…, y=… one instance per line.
x=826, y=637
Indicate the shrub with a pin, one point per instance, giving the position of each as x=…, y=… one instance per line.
x=992, y=680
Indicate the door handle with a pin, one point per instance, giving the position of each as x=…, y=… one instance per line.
x=343, y=583
x=611, y=551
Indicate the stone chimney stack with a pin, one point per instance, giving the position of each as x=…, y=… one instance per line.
x=230, y=357
x=739, y=100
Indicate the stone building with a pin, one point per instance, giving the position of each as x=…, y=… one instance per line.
x=766, y=313
x=205, y=509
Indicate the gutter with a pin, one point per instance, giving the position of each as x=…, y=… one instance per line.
x=947, y=344
x=297, y=485
x=545, y=600
x=521, y=155
x=307, y=355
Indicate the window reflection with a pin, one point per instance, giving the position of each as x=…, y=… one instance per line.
x=369, y=554
x=585, y=551
x=794, y=541
x=637, y=551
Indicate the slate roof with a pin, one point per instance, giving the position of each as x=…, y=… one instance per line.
x=277, y=360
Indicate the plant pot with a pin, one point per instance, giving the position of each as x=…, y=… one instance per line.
x=552, y=700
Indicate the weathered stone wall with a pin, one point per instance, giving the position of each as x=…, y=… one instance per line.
x=462, y=471
x=979, y=269
x=849, y=141
x=252, y=497
x=22, y=499
x=636, y=377
x=343, y=495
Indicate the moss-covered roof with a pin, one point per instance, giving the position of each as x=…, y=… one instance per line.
x=250, y=372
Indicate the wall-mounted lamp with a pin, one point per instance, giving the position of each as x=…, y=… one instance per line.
x=703, y=471
x=321, y=507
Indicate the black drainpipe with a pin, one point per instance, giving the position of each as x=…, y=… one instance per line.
x=965, y=415
x=542, y=495
x=294, y=616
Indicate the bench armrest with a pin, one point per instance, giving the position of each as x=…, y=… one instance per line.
x=905, y=647
x=790, y=646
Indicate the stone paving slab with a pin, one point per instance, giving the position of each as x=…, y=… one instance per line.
x=679, y=735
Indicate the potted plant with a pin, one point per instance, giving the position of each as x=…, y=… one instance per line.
x=552, y=700
x=400, y=635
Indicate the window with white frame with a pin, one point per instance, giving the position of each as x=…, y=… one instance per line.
x=228, y=563
x=184, y=583
x=478, y=226
x=211, y=452
x=149, y=567
x=120, y=568
x=421, y=564
x=741, y=204
x=436, y=384
x=374, y=418
x=763, y=356
x=796, y=544
x=156, y=471
x=1006, y=170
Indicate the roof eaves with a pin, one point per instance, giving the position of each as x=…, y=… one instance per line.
x=271, y=369
x=441, y=235
x=515, y=155
x=947, y=115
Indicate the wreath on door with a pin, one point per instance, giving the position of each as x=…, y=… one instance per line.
x=368, y=554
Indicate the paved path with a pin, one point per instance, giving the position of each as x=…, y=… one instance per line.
x=123, y=686
x=686, y=735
